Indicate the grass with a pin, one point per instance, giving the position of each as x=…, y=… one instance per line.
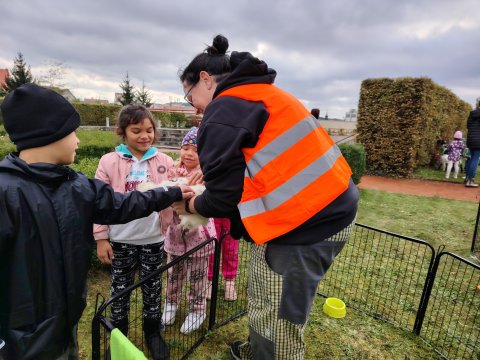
x=438, y=221
x=429, y=173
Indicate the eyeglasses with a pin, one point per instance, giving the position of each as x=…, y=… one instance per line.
x=187, y=96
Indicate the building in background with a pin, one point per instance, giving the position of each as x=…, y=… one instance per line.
x=3, y=76
x=351, y=115
x=96, y=101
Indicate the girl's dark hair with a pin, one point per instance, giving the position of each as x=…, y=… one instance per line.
x=213, y=60
x=133, y=114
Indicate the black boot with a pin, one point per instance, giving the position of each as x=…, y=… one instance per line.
x=122, y=325
x=156, y=345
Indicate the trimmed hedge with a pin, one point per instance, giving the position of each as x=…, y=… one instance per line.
x=400, y=121
x=355, y=156
x=95, y=114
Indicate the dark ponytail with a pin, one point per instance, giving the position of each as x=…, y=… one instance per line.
x=214, y=60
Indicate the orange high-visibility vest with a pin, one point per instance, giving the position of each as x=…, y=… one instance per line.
x=295, y=169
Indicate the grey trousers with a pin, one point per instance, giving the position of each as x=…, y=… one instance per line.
x=283, y=281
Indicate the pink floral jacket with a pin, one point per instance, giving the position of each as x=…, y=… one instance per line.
x=177, y=240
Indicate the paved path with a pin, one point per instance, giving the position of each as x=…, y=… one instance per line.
x=442, y=189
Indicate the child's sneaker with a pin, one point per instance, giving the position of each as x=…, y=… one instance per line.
x=169, y=312
x=193, y=321
x=208, y=295
x=230, y=292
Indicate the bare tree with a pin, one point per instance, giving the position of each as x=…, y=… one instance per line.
x=55, y=74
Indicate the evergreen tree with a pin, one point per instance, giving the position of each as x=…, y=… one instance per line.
x=144, y=97
x=19, y=75
x=128, y=92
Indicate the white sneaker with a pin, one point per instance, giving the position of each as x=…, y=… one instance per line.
x=193, y=321
x=208, y=295
x=169, y=312
x=230, y=292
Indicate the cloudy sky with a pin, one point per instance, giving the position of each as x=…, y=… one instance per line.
x=322, y=50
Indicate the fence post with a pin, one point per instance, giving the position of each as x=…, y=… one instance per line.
x=96, y=338
x=475, y=233
x=427, y=291
x=216, y=272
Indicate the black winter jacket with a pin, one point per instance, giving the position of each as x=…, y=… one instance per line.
x=473, y=127
x=46, y=220
x=230, y=124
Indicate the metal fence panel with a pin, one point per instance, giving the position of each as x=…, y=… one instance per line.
x=218, y=310
x=452, y=318
x=382, y=274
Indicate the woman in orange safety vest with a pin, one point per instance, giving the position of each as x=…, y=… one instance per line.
x=270, y=167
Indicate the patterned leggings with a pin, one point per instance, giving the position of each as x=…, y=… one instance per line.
x=127, y=259
x=195, y=269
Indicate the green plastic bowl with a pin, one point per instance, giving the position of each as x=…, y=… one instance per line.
x=335, y=308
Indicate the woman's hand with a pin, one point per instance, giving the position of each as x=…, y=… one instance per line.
x=104, y=251
x=179, y=206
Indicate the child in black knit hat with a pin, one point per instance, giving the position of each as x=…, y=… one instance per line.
x=47, y=212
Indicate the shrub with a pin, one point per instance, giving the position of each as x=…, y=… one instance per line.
x=6, y=146
x=86, y=165
x=95, y=114
x=400, y=121
x=95, y=143
x=355, y=156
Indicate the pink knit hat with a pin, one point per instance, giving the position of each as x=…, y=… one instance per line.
x=458, y=135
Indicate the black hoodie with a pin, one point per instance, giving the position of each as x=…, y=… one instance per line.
x=230, y=124
x=47, y=214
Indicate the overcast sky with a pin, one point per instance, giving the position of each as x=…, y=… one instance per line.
x=322, y=50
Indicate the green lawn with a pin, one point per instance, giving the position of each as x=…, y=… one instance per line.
x=438, y=221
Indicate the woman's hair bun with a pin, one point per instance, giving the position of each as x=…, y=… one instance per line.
x=219, y=46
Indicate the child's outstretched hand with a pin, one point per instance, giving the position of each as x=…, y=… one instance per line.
x=187, y=192
x=104, y=251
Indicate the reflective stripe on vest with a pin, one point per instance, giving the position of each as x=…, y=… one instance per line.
x=293, y=172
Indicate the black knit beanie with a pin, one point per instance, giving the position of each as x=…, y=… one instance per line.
x=35, y=116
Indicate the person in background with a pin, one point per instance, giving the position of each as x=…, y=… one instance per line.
x=455, y=151
x=47, y=211
x=137, y=245
x=178, y=241
x=473, y=143
x=272, y=169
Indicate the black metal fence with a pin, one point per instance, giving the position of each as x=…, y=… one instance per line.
x=218, y=310
x=451, y=312
x=391, y=277
x=476, y=234
x=382, y=274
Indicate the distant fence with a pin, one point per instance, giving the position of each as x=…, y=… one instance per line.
x=389, y=276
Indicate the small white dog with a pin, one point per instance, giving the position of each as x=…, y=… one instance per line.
x=188, y=221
